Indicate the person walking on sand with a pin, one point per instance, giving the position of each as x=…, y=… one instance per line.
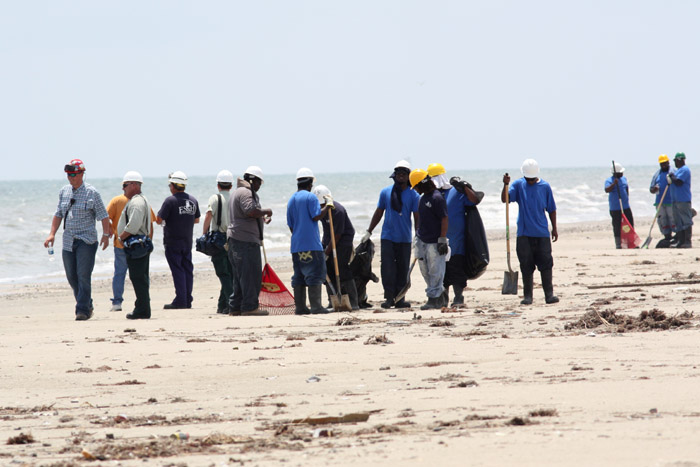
x=136, y=220
x=178, y=214
x=398, y=201
x=533, y=246
x=344, y=235
x=114, y=211
x=659, y=185
x=218, y=209
x=303, y=213
x=79, y=207
x=245, y=233
x=682, y=201
x=617, y=189
x=431, y=238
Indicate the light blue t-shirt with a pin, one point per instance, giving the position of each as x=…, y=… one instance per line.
x=301, y=209
x=456, y=202
x=682, y=194
x=397, y=225
x=614, y=198
x=533, y=201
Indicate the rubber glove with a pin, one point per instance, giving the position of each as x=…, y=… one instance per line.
x=442, y=246
x=329, y=201
x=366, y=236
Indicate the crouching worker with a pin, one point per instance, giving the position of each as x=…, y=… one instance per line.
x=534, y=198
x=344, y=234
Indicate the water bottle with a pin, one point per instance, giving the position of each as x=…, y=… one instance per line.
x=51, y=255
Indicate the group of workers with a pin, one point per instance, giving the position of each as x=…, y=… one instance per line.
x=424, y=199
x=672, y=186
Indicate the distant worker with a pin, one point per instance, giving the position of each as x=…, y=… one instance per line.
x=178, y=214
x=303, y=213
x=659, y=186
x=533, y=246
x=217, y=209
x=136, y=220
x=431, y=238
x=245, y=233
x=79, y=206
x=682, y=199
x=344, y=235
x=617, y=189
x=399, y=202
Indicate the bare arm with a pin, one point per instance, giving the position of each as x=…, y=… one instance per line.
x=324, y=211
x=553, y=220
x=207, y=223
x=52, y=234
x=376, y=217
x=106, y=233
x=443, y=227
x=611, y=187
x=471, y=195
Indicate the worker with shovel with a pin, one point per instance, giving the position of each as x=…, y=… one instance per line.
x=533, y=245
x=338, y=234
x=682, y=199
x=618, y=195
x=663, y=202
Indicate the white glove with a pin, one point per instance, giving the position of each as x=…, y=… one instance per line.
x=669, y=180
x=366, y=236
x=329, y=201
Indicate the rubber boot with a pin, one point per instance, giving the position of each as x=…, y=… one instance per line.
x=432, y=304
x=547, y=286
x=680, y=239
x=445, y=297
x=328, y=291
x=618, y=243
x=315, y=299
x=300, y=300
x=687, y=238
x=527, y=289
x=459, y=297
x=349, y=288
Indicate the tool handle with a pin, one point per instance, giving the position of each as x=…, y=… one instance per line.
x=335, y=254
x=262, y=243
x=658, y=210
x=508, y=229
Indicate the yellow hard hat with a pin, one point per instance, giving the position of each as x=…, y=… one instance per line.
x=417, y=176
x=436, y=169
x=663, y=158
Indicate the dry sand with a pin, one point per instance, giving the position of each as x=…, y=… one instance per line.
x=494, y=383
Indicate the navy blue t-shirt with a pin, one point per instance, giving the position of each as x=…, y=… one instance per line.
x=341, y=225
x=431, y=209
x=179, y=212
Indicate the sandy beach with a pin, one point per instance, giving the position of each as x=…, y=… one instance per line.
x=608, y=376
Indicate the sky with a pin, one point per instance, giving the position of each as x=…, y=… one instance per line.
x=344, y=86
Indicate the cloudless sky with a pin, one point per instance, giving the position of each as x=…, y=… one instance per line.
x=344, y=86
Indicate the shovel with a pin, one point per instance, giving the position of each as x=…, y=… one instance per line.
x=510, y=277
x=339, y=302
x=658, y=209
x=402, y=293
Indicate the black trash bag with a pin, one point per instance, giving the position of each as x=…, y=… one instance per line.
x=361, y=268
x=476, y=246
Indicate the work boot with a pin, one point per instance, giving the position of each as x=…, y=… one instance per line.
x=300, y=300
x=687, y=238
x=432, y=304
x=445, y=297
x=527, y=289
x=402, y=304
x=315, y=299
x=350, y=289
x=330, y=301
x=680, y=239
x=547, y=286
x=459, y=297
x=618, y=243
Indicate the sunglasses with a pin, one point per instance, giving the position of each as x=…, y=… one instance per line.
x=124, y=185
x=72, y=175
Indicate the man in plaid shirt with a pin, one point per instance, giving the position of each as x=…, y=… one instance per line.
x=79, y=206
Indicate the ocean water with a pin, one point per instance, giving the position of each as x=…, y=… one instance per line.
x=29, y=207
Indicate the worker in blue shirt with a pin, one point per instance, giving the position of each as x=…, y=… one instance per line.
x=682, y=198
x=617, y=189
x=659, y=185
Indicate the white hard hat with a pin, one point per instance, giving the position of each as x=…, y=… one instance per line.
x=178, y=177
x=618, y=169
x=255, y=171
x=224, y=177
x=132, y=176
x=304, y=173
x=530, y=168
x=403, y=164
x=320, y=191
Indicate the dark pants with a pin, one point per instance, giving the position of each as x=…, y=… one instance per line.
x=138, y=274
x=617, y=220
x=395, y=260
x=246, y=267
x=181, y=268
x=222, y=267
x=344, y=253
x=78, y=265
x=534, y=251
x=454, y=272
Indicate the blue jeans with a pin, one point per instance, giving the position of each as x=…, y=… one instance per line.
x=309, y=268
x=246, y=267
x=432, y=266
x=79, y=264
x=119, y=276
x=182, y=270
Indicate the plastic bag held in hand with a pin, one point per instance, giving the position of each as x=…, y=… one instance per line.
x=442, y=246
